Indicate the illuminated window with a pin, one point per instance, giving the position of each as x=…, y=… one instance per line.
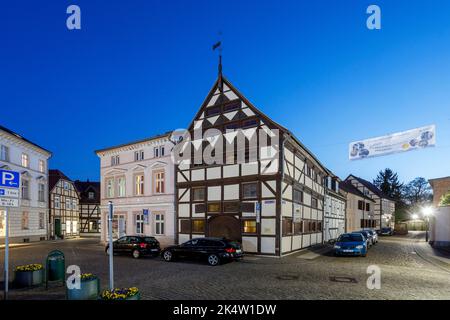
x=41, y=166
x=25, y=160
x=121, y=186
x=139, y=185
x=213, y=207
x=109, y=188
x=249, y=226
x=198, y=226
x=159, y=181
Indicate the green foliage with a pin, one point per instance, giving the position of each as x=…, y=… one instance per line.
x=387, y=181
x=445, y=200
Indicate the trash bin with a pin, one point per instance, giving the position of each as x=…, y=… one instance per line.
x=56, y=266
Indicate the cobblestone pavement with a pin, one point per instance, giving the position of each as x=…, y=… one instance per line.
x=409, y=270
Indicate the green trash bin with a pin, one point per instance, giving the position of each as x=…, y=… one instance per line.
x=56, y=267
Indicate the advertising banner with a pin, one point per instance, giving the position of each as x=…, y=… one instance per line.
x=414, y=139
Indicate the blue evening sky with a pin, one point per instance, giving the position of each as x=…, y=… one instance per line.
x=138, y=68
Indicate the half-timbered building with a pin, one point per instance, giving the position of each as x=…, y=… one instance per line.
x=264, y=187
x=64, y=219
x=89, y=192
x=335, y=209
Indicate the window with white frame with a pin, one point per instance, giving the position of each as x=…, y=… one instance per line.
x=41, y=166
x=41, y=192
x=156, y=152
x=139, y=184
x=139, y=223
x=74, y=204
x=139, y=155
x=110, y=188
x=115, y=160
x=4, y=153
x=66, y=185
x=41, y=220
x=159, y=224
x=57, y=202
x=159, y=178
x=121, y=192
x=25, y=189
x=68, y=204
x=25, y=160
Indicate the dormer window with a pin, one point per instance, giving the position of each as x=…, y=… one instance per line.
x=91, y=195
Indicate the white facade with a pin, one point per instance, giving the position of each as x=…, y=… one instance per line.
x=139, y=177
x=440, y=227
x=334, y=211
x=29, y=221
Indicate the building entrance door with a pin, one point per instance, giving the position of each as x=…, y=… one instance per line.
x=224, y=226
x=58, y=228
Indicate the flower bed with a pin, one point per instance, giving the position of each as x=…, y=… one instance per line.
x=121, y=294
x=89, y=288
x=29, y=275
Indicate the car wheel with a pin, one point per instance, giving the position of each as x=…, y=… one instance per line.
x=167, y=256
x=213, y=260
x=136, y=254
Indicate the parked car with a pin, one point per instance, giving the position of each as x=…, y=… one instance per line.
x=368, y=237
x=212, y=250
x=387, y=231
x=136, y=246
x=354, y=244
x=374, y=235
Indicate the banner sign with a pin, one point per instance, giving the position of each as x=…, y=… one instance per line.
x=414, y=139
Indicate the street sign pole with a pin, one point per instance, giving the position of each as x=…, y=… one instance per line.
x=6, y=253
x=111, y=248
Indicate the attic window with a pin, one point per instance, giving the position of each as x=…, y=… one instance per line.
x=91, y=195
x=212, y=111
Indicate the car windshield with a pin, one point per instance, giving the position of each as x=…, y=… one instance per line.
x=234, y=244
x=350, y=238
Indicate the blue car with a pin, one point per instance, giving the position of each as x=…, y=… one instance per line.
x=351, y=244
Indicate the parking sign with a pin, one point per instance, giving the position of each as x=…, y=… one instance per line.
x=9, y=179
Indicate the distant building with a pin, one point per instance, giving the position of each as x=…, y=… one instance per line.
x=334, y=209
x=441, y=186
x=64, y=219
x=360, y=208
x=138, y=177
x=384, y=207
x=29, y=221
x=89, y=193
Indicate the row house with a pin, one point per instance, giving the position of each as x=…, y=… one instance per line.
x=137, y=177
x=335, y=208
x=64, y=209
x=265, y=189
x=28, y=222
x=384, y=206
x=360, y=208
x=89, y=207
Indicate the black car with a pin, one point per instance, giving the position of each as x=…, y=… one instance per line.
x=212, y=250
x=137, y=246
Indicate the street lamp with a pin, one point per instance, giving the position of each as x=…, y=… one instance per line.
x=427, y=212
x=415, y=216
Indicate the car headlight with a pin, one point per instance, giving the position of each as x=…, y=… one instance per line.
x=360, y=247
x=337, y=247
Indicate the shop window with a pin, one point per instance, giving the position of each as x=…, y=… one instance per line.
x=231, y=206
x=287, y=226
x=298, y=227
x=249, y=226
x=214, y=207
x=198, y=226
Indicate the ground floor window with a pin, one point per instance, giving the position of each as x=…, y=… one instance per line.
x=249, y=226
x=286, y=226
x=25, y=220
x=185, y=226
x=298, y=227
x=368, y=223
x=159, y=224
x=139, y=223
x=198, y=226
x=41, y=220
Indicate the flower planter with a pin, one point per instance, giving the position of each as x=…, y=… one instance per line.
x=29, y=278
x=121, y=294
x=137, y=296
x=89, y=290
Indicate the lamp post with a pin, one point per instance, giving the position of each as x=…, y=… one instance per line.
x=427, y=212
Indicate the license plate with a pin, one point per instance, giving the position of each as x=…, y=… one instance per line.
x=154, y=249
x=348, y=250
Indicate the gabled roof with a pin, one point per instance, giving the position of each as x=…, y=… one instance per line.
x=9, y=131
x=54, y=175
x=350, y=188
x=84, y=187
x=371, y=187
x=222, y=79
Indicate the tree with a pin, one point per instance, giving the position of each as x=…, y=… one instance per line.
x=417, y=192
x=387, y=181
x=445, y=200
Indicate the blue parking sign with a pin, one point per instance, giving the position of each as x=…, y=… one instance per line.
x=9, y=179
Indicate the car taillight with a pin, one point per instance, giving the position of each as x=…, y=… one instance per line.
x=143, y=245
x=230, y=250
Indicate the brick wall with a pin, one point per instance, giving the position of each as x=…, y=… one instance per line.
x=440, y=187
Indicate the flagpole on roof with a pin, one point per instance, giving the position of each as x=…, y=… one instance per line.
x=218, y=45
